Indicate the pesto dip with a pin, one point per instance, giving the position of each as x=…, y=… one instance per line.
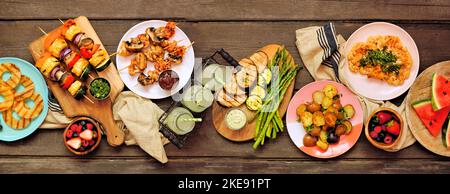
x=100, y=88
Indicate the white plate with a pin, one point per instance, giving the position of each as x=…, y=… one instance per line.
x=154, y=91
x=374, y=88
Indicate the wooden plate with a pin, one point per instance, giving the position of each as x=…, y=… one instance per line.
x=248, y=132
x=100, y=110
x=421, y=89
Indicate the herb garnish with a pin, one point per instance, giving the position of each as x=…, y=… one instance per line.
x=386, y=59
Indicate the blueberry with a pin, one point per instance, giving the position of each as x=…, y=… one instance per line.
x=83, y=123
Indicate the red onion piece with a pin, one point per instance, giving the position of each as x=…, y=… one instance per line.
x=64, y=52
x=77, y=38
x=53, y=73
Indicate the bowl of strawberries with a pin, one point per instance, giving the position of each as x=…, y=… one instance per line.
x=384, y=128
x=82, y=136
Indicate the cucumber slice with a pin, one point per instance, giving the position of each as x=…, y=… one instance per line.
x=204, y=98
x=223, y=74
x=208, y=73
x=103, y=65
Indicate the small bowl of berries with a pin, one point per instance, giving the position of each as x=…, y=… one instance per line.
x=82, y=136
x=384, y=128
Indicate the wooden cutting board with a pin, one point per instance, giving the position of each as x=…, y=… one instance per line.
x=248, y=132
x=99, y=110
x=421, y=89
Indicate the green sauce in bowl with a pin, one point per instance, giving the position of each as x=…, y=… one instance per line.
x=100, y=88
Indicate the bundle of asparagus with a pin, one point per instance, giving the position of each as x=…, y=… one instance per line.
x=269, y=122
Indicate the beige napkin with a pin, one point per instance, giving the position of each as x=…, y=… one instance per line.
x=137, y=116
x=140, y=116
x=320, y=50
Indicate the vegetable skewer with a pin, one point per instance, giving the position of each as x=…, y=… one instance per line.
x=51, y=68
x=93, y=53
x=59, y=48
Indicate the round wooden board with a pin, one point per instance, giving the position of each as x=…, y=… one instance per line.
x=421, y=89
x=248, y=132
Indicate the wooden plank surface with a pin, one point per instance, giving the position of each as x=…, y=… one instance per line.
x=213, y=10
x=218, y=165
x=240, y=27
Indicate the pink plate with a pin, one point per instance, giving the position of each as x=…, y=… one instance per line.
x=374, y=88
x=296, y=130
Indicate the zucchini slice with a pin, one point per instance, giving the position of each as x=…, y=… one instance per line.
x=254, y=102
x=258, y=91
x=103, y=65
x=85, y=73
x=80, y=93
x=265, y=77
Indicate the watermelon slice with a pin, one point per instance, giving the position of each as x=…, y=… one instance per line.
x=433, y=120
x=446, y=132
x=440, y=92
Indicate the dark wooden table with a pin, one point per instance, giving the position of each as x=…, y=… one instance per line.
x=240, y=27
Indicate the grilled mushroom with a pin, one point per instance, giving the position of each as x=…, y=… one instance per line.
x=151, y=33
x=135, y=45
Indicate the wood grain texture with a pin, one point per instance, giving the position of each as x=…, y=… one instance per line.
x=209, y=36
x=241, y=27
x=101, y=110
x=185, y=165
x=420, y=90
x=219, y=10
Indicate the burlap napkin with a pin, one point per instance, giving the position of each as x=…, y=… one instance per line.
x=320, y=50
x=134, y=114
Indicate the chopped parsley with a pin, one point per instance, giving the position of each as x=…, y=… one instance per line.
x=386, y=59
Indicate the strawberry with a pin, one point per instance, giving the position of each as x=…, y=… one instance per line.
x=393, y=127
x=388, y=139
x=373, y=134
x=91, y=142
x=377, y=129
x=384, y=117
x=79, y=129
x=90, y=126
x=84, y=143
x=75, y=143
x=74, y=127
x=69, y=133
x=87, y=134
